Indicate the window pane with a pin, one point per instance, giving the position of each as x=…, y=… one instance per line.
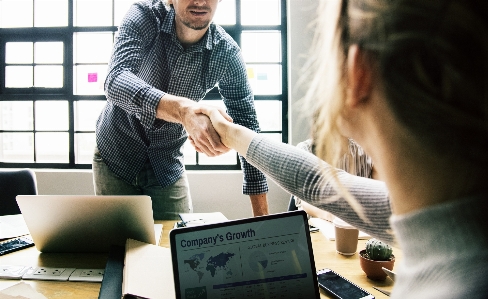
x=265, y=79
x=48, y=76
x=190, y=154
x=226, y=13
x=52, y=147
x=261, y=46
x=260, y=12
x=92, y=12
x=16, y=115
x=48, y=52
x=16, y=147
x=89, y=79
x=273, y=136
x=229, y=158
x=84, y=147
x=269, y=115
x=120, y=9
x=38, y=130
x=52, y=115
x=86, y=114
x=92, y=47
x=18, y=76
x=50, y=13
x=16, y=13
x=19, y=52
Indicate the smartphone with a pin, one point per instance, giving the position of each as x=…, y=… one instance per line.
x=339, y=287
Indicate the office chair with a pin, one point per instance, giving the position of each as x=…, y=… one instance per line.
x=13, y=183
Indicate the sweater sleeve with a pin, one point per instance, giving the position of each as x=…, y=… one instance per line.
x=310, y=179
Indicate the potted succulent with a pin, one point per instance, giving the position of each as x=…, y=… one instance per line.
x=376, y=256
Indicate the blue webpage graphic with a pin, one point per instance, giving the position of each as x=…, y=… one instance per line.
x=249, y=260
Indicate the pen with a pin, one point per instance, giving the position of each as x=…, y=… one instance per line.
x=382, y=291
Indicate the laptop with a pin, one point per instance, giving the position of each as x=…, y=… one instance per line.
x=86, y=223
x=262, y=257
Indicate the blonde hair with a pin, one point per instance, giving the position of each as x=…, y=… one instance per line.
x=432, y=58
x=324, y=68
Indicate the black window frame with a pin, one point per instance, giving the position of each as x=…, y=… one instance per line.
x=66, y=93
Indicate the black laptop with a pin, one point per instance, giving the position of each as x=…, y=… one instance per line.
x=262, y=257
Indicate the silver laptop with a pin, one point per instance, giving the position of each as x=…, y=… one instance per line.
x=86, y=223
x=260, y=257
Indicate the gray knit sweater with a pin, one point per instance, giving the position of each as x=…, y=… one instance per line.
x=445, y=247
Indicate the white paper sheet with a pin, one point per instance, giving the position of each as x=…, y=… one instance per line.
x=21, y=290
x=12, y=226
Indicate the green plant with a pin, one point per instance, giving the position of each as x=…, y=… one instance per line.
x=378, y=251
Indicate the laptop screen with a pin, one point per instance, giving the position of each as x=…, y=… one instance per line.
x=261, y=257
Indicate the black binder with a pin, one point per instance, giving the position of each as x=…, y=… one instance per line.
x=112, y=278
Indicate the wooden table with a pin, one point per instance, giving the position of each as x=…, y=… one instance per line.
x=348, y=266
x=324, y=252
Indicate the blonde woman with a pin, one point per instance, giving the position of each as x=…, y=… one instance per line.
x=408, y=81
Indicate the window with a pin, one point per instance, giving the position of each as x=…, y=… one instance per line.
x=54, y=56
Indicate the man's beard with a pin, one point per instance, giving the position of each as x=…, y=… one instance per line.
x=199, y=26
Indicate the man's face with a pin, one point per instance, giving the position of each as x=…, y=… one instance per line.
x=194, y=14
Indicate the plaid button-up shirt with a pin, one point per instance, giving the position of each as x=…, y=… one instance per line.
x=149, y=61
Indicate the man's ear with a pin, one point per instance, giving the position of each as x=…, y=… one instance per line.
x=360, y=76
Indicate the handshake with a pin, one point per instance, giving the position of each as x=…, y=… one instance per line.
x=212, y=131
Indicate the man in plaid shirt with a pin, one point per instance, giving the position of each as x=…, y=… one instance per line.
x=166, y=57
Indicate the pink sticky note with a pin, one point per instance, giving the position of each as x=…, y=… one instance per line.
x=92, y=77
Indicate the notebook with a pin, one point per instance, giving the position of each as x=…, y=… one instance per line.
x=147, y=271
x=262, y=257
x=86, y=223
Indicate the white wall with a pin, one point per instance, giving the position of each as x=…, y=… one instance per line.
x=217, y=190
x=211, y=190
x=300, y=15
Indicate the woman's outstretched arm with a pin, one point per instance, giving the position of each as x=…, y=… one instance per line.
x=309, y=178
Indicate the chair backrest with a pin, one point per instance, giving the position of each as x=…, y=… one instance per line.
x=13, y=183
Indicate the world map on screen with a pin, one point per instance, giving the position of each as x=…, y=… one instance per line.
x=212, y=265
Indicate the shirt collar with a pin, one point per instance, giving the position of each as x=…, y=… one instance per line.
x=211, y=38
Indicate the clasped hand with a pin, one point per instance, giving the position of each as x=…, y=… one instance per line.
x=202, y=131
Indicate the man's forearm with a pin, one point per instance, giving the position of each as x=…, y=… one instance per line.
x=259, y=203
x=171, y=108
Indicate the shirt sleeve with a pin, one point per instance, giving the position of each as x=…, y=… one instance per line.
x=237, y=94
x=123, y=86
x=310, y=179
